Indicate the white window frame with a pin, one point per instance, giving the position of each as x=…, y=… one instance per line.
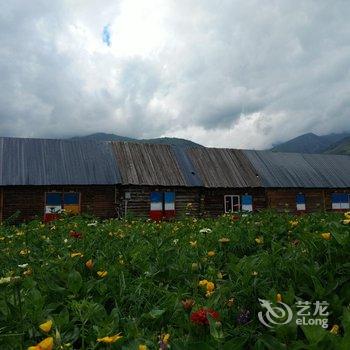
x=231, y=196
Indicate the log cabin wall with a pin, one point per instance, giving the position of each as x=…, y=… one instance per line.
x=139, y=202
x=213, y=199
x=29, y=201
x=284, y=200
x=328, y=196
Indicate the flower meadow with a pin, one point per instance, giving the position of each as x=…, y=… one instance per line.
x=81, y=283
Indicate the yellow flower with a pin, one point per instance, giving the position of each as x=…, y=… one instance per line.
x=24, y=251
x=143, y=347
x=346, y=222
x=46, y=326
x=211, y=253
x=203, y=283
x=209, y=294
x=259, y=240
x=335, y=329
x=165, y=338
x=27, y=272
x=210, y=286
x=347, y=215
x=254, y=273
x=278, y=298
x=193, y=244
x=102, y=274
x=111, y=339
x=46, y=344
x=294, y=223
x=327, y=236
x=230, y=302
x=224, y=240
x=73, y=255
x=89, y=264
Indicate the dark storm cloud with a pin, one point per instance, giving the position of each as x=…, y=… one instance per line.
x=225, y=73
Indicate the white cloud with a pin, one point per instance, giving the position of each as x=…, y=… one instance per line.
x=223, y=73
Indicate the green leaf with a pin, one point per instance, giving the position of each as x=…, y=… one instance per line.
x=269, y=342
x=314, y=334
x=156, y=313
x=75, y=281
x=235, y=344
x=341, y=238
x=215, y=328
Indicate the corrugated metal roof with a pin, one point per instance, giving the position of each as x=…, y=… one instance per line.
x=300, y=170
x=186, y=165
x=221, y=167
x=56, y=162
x=148, y=164
x=87, y=162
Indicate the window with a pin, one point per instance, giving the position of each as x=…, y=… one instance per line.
x=340, y=201
x=56, y=201
x=300, y=200
x=162, y=205
x=231, y=203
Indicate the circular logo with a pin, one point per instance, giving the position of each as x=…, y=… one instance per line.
x=274, y=315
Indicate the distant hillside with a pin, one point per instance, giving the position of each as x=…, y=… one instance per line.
x=340, y=147
x=311, y=143
x=101, y=136
x=161, y=140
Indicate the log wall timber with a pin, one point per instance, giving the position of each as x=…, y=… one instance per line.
x=315, y=199
x=1, y=203
x=29, y=201
x=213, y=199
x=139, y=202
x=328, y=197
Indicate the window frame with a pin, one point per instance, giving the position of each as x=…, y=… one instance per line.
x=231, y=196
x=62, y=204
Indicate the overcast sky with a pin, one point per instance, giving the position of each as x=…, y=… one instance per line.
x=224, y=73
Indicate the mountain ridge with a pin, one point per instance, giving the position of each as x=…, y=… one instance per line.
x=174, y=141
x=312, y=143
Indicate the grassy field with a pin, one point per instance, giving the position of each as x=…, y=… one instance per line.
x=78, y=283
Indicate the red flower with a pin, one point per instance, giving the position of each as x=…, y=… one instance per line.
x=201, y=316
x=75, y=234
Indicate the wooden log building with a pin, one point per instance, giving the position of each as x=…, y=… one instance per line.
x=41, y=177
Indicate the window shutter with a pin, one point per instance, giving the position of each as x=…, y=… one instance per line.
x=169, y=204
x=247, y=203
x=156, y=212
x=300, y=199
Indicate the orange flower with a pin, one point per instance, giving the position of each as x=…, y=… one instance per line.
x=89, y=264
x=188, y=304
x=46, y=344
